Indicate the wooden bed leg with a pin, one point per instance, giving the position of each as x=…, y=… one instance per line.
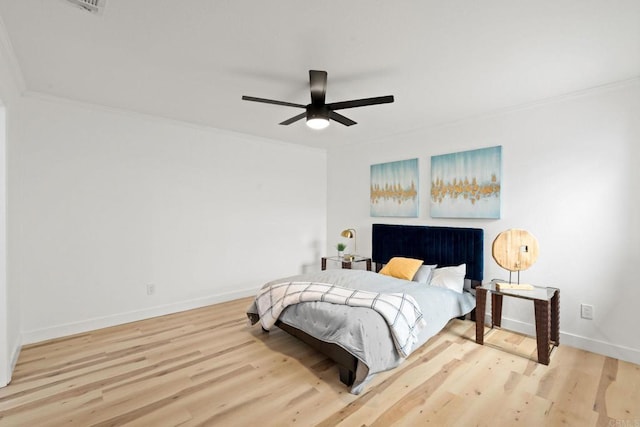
x=347, y=377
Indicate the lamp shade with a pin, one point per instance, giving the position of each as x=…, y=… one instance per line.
x=349, y=233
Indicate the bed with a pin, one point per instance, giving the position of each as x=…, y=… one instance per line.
x=359, y=339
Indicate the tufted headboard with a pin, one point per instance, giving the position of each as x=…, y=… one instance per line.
x=445, y=246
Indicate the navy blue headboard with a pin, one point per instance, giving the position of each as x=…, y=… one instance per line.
x=445, y=246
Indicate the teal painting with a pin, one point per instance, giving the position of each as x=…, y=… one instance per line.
x=467, y=184
x=394, y=189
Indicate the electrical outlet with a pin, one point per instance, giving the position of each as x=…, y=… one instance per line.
x=151, y=289
x=586, y=311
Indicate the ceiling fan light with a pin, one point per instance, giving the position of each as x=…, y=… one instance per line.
x=317, y=123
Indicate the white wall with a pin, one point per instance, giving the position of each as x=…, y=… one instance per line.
x=103, y=203
x=10, y=87
x=570, y=176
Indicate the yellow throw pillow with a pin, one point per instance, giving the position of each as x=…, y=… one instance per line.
x=401, y=268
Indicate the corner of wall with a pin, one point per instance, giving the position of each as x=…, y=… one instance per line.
x=13, y=361
x=7, y=55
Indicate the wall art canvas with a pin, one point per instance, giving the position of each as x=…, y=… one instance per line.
x=394, y=189
x=467, y=184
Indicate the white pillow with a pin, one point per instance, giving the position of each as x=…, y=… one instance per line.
x=449, y=277
x=423, y=275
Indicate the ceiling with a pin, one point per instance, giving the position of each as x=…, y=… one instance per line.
x=192, y=60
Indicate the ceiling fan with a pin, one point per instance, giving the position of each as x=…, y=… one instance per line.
x=318, y=112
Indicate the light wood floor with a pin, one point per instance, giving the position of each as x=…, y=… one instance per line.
x=208, y=367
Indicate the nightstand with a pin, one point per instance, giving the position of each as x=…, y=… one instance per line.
x=346, y=262
x=546, y=303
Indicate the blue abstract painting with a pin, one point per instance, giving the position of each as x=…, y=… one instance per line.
x=394, y=189
x=467, y=184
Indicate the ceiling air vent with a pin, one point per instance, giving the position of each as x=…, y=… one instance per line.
x=93, y=6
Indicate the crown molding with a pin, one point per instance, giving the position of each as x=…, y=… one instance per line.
x=591, y=91
x=152, y=118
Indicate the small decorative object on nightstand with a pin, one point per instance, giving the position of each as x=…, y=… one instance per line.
x=515, y=250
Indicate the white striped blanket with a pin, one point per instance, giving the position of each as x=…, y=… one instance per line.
x=400, y=311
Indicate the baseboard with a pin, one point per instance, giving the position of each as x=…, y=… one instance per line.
x=595, y=346
x=58, y=331
x=612, y=350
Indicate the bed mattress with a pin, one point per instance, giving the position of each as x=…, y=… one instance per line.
x=362, y=331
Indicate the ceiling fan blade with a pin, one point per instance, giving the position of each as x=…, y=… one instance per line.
x=271, y=101
x=318, y=85
x=341, y=119
x=360, y=102
x=294, y=119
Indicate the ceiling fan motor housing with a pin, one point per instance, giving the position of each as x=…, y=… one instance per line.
x=317, y=112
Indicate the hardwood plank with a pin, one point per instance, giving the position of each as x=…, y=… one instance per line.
x=207, y=367
x=623, y=394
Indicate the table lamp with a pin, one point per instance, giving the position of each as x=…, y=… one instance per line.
x=350, y=233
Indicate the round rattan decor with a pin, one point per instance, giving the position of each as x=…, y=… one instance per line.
x=515, y=249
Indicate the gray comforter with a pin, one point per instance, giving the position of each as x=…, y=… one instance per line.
x=362, y=331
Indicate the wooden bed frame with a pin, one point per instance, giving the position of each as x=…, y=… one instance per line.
x=445, y=246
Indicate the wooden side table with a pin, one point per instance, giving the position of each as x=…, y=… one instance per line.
x=546, y=303
x=346, y=262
